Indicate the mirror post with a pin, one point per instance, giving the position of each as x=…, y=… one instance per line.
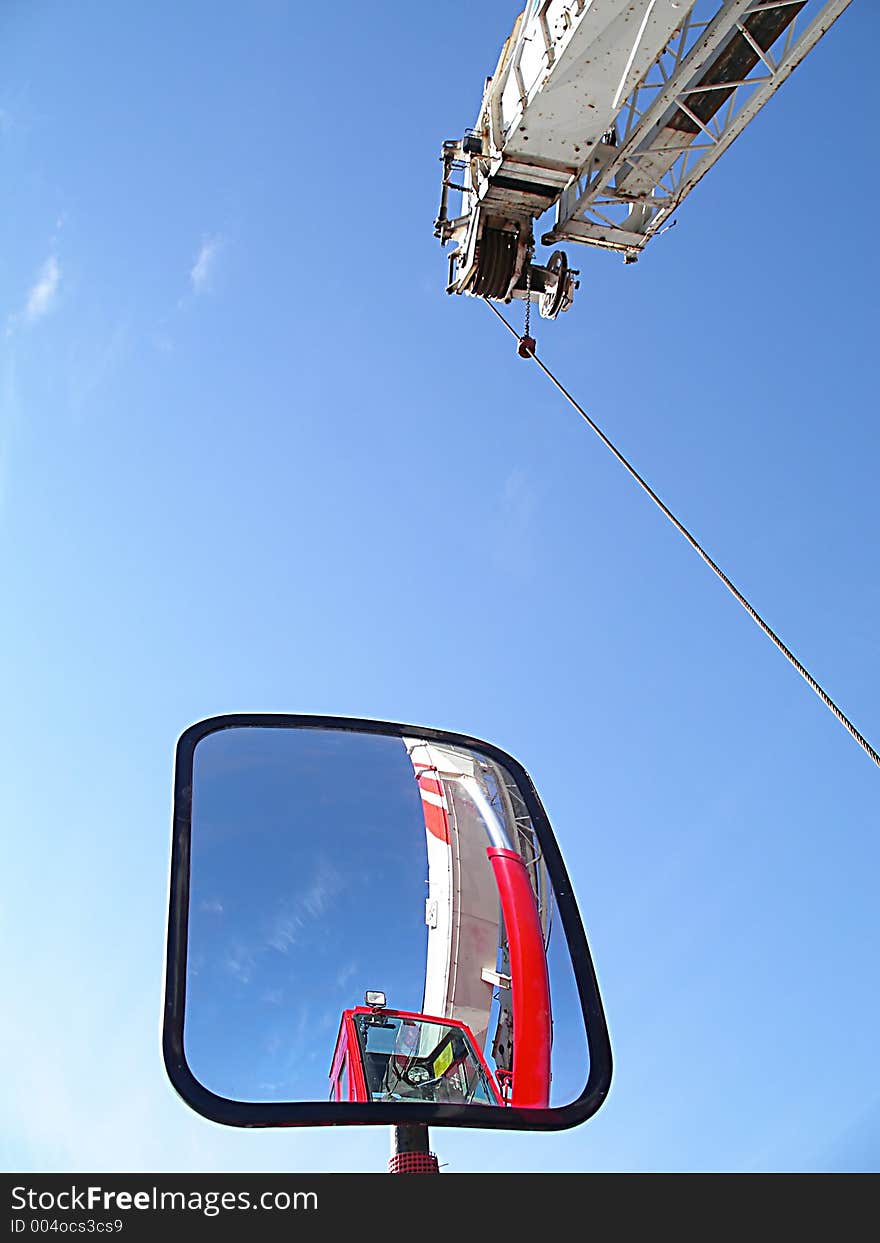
x=410, y=1153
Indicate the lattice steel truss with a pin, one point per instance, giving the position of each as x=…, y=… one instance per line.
x=710, y=81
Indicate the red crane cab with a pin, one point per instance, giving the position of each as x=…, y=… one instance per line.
x=395, y=1055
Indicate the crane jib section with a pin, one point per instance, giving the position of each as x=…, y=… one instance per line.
x=609, y=112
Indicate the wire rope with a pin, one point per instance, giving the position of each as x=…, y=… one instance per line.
x=682, y=529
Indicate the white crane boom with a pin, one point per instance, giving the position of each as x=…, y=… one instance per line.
x=611, y=111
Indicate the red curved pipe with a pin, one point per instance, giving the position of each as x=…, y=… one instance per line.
x=529, y=982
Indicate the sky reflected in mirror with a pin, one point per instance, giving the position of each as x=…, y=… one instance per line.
x=325, y=863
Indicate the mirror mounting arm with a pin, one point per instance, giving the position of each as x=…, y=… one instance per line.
x=410, y=1150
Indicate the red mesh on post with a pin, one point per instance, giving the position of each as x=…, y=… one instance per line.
x=414, y=1163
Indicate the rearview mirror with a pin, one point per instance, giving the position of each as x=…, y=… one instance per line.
x=372, y=923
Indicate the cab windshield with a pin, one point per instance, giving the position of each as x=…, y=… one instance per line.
x=417, y=1060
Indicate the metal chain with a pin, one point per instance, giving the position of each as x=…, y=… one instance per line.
x=528, y=290
x=805, y=674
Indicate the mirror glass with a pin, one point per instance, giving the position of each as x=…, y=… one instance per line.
x=371, y=918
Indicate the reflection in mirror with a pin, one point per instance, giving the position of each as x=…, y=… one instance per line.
x=371, y=919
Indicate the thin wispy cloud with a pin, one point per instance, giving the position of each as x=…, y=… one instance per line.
x=345, y=974
x=284, y=932
x=239, y=963
x=43, y=293
x=305, y=908
x=201, y=273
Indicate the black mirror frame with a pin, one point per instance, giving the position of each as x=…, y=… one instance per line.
x=337, y=1113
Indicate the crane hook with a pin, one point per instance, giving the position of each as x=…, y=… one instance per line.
x=526, y=347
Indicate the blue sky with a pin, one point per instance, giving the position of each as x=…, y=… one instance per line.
x=253, y=458
x=307, y=887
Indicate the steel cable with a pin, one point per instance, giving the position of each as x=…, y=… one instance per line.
x=756, y=617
